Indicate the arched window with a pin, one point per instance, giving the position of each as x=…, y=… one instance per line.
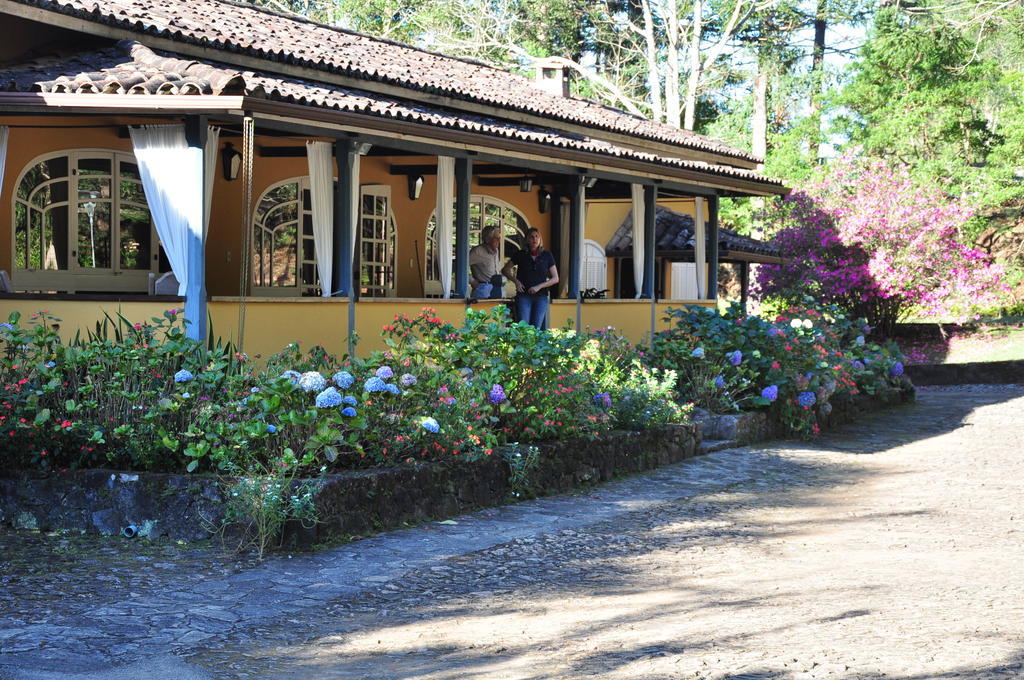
x=484, y=211
x=81, y=223
x=284, y=255
x=594, y=267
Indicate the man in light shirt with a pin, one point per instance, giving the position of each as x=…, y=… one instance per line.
x=485, y=265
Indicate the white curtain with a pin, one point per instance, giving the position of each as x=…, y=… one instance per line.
x=699, y=241
x=4, y=135
x=443, y=220
x=173, y=190
x=638, y=237
x=210, y=165
x=321, y=195
x=563, y=248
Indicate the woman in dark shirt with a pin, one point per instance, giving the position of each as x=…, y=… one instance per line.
x=535, y=270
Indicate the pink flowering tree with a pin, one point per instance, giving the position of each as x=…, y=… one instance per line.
x=866, y=237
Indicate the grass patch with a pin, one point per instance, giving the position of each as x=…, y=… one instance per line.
x=995, y=340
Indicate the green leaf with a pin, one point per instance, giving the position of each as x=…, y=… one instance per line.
x=42, y=416
x=192, y=465
x=331, y=454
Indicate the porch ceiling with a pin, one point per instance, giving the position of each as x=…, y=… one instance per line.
x=130, y=68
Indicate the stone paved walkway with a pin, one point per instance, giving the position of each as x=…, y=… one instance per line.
x=786, y=561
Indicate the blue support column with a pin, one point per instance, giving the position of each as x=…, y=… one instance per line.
x=650, y=206
x=463, y=188
x=577, y=200
x=195, y=288
x=344, y=212
x=712, y=229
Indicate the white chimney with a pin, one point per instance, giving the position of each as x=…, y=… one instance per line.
x=552, y=75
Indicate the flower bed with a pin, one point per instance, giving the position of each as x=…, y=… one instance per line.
x=795, y=367
x=142, y=397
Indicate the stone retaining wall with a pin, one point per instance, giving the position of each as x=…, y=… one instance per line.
x=189, y=507
x=976, y=373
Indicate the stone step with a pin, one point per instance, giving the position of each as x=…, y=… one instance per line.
x=712, y=445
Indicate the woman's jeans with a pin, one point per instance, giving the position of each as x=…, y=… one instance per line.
x=533, y=309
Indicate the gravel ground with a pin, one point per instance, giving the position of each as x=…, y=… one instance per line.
x=888, y=549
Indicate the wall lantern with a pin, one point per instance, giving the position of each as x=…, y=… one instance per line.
x=543, y=201
x=415, y=186
x=526, y=184
x=231, y=159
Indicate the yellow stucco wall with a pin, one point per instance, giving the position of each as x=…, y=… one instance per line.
x=81, y=316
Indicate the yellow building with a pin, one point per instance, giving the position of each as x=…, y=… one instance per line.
x=294, y=181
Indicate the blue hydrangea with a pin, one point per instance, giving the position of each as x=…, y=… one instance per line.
x=858, y=365
x=254, y=390
x=719, y=382
x=293, y=376
x=407, y=380
x=392, y=388
x=735, y=358
x=385, y=373
x=350, y=400
x=312, y=381
x=7, y=326
x=467, y=372
x=896, y=370
x=271, y=429
x=497, y=394
x=430, y=425
x=806, y=399
x=771, y=393
x=348, y=412
x=183, y=376
x=859, y=341
x=329, y=398
x=698, y=353
x=604, y=400
x=375, y=384
x=343, y=379
x=51, y=364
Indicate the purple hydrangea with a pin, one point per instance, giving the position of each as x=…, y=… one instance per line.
x=497, y=394
x=430, y=425
x=375, y=384
x=735, y=358
x=859, y=341
x=771, y=393
x=719, y=382
x=329, y=398
x=858, y=365
x=7, y=326
x=385, y=373
x=183, y=376
x=896, y=370
x=343, y=379
x=348, y=412
x=407, y=380
x=806, y=399
x=312, y=381
x=604, y=400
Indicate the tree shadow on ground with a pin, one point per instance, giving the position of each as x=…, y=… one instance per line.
x=600, y=566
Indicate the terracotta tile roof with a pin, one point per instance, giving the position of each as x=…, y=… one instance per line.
x=674, y=233
x=243, y=28
x=127, y=68
x=132, y=68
